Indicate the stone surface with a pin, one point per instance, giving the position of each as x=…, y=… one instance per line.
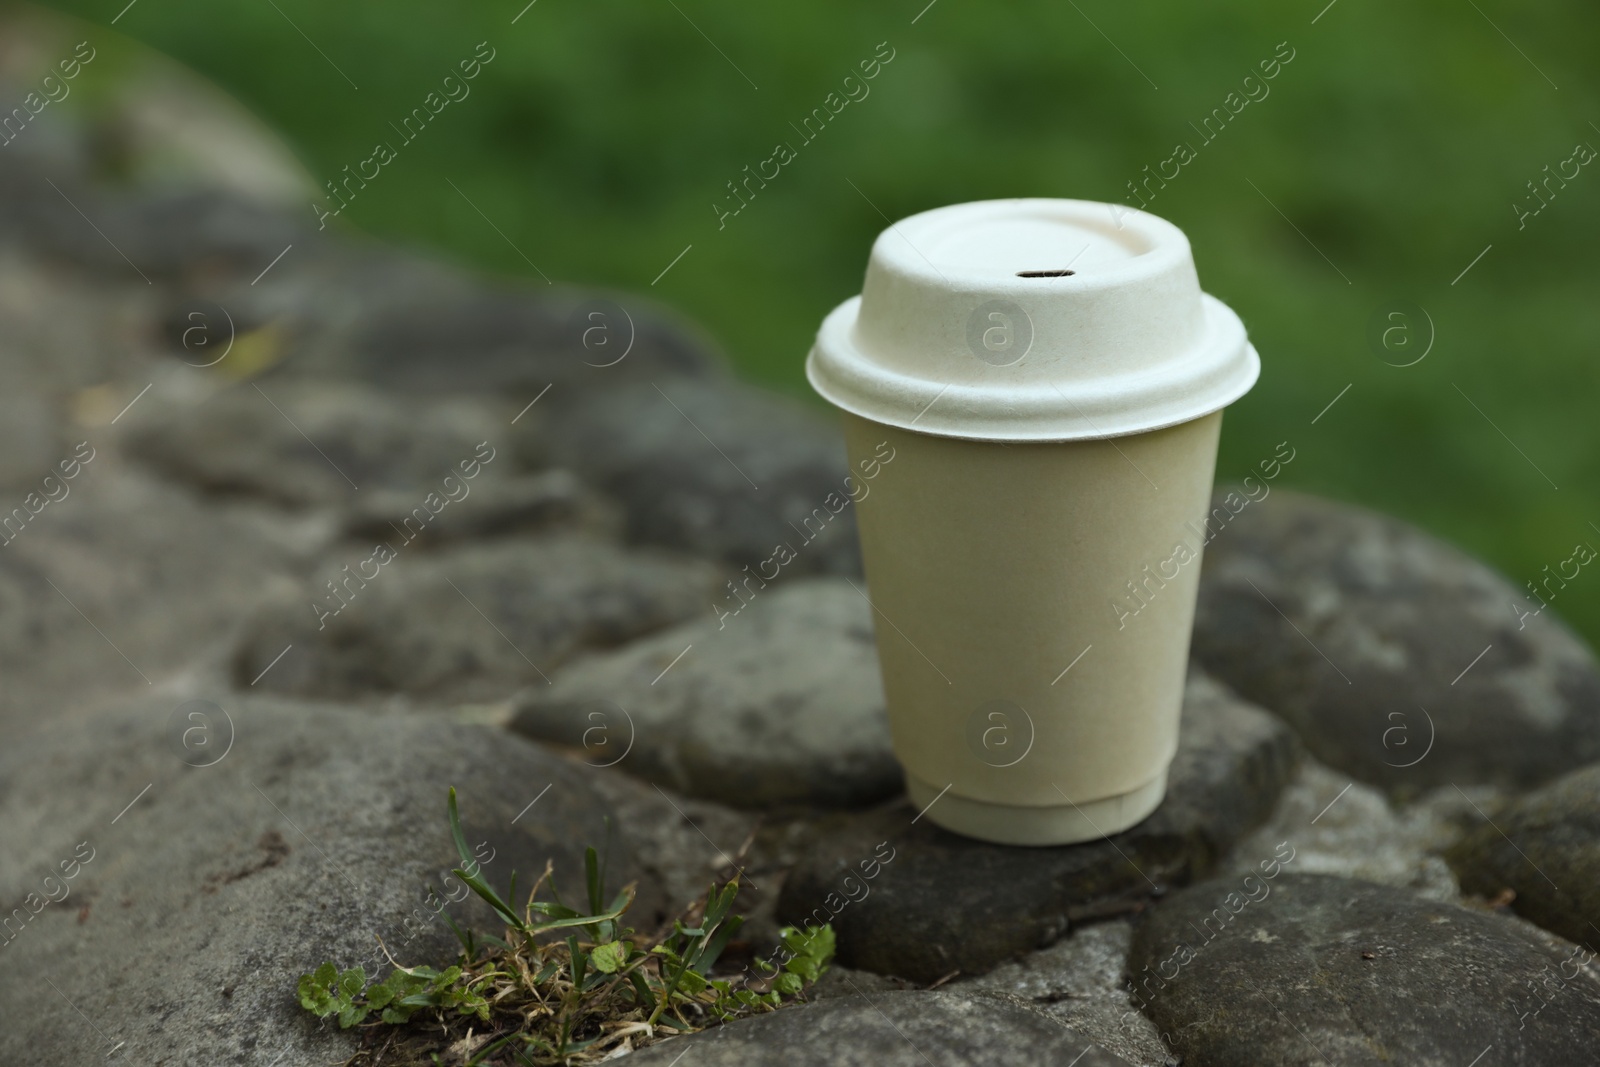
x=1080, y=981
x=682, y=844
x=426, y=332
x=1341, y=827
x=205, y=890
x=720, y=468
x=498, y=503
x=1545, y=848
x=180, y=233
x=841, y=981
x=908, y=1029
x=780, y=704
x=59, y=334
x=122, y=585
x=300, y=445
x=1378, y=623
x=30, y=442
x=937, y=902
x=468, y=623
x=1326, y=970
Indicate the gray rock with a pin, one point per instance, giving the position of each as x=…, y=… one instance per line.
x=501, y=340
x=222, y=857
x=62, y=335
x=717, y=468
x=1349, y=829
x=1378, y=623
x=197, y=233
x=683, y=844
x=175, y=234
x=1327, y=970
x=1545, y=848
x=300, y=444
x=469, y=623
x=938, y=902
x=1079, y=981
x=781, y=704
x=839, y=981
x=498, y=503
x=372, y=314
x=909, y=1029
x=31, y=442
x=122, y=585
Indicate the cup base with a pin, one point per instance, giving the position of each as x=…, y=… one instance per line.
x=1014, y=824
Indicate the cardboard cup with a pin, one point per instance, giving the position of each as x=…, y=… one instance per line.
x=1043, y=438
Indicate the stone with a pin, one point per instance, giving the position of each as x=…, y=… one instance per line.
x=301, y=445
x=31, y=442
x=1079, y=981
x=840, y=981
x=219, y=850
x=1310, y=969
x=169, y=235
x=468, y=623
x=779, y=704
x=62, y=336
x=717, y=468
x=425, y=329
x=199, y=233
x=498, y=504
x=906, y=1029
x=682, y=844
x=123, y=584
x=1397, y=658
x=1545, y=849
x=907, y=897
x=1337, y=826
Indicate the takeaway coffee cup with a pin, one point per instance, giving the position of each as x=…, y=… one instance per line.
x=1047, y=381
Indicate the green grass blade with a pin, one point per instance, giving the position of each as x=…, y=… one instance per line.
x=591, y=871
x=468, y=860
x=715, y=944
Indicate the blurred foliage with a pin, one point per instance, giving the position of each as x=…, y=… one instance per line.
x=1388, y=154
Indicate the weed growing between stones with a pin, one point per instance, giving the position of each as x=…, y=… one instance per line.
x=566, y=986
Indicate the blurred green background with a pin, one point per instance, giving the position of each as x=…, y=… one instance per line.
x=1389, y=154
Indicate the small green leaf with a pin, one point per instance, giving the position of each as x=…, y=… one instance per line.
x=611, y=956
x=352, y=982
x=812, y=950
x=317, y=994
x=788, y=984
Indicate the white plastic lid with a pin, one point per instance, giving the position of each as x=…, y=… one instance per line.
x=1032, y=320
